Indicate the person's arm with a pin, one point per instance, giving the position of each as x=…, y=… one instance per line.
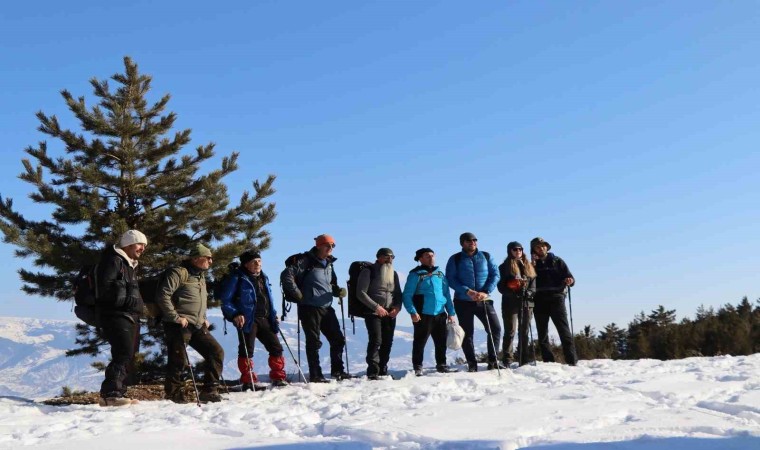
x=493, y=275
x=397, y=293
x=410, y=288
x=166, y=288
x=452, y=276
x=288, y=281
x=565, y=271
x=362, y=286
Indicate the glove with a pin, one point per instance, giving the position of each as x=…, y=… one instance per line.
x=338, y=291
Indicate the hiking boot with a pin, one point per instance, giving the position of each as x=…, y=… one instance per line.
x=115, y=401
x=279, y=383
x=383, y=371
x=340, y=376
x=373, y=377
x=418, y=372
x=496, y=365
x=472, y=367
x=210, y=397
x=318, y=379
x=444, y=369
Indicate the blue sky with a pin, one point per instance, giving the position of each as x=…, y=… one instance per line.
x=624, y=133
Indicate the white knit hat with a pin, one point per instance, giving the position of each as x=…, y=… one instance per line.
x=132, y=237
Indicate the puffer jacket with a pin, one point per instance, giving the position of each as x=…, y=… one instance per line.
x=427, y=292
x=182, y=293
x=117, y=283
x=310, y=281
x=238, y=297
x=476, y=272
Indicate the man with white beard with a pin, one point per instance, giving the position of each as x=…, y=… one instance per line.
x=379, y=290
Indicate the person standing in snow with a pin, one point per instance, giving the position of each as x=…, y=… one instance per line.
x=378, y=288
x=552, y=281
x=312, y=281
x=517, y=286
x=182, y=297
x=120, y=307
x=427, y=299
x=247, y=302
x=473, y=275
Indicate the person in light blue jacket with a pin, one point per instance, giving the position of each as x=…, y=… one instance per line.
x=427, y=299
x=473, y=275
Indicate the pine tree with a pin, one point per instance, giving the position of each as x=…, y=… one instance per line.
x=124, y=171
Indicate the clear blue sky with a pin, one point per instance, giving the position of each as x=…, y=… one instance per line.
x=624, y=133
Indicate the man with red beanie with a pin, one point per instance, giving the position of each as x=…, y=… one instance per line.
x=247, y=302
x=311, y=280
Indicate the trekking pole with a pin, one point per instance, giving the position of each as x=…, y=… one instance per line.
x=192, y=375
x=298, y=327
x=490, y=334
x=294, y=357
x=570, y=301
x=248, y=361
x=343, y=316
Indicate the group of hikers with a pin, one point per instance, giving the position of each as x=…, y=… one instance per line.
x=535, y=287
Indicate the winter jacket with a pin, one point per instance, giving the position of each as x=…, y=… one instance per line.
x=507, y=294
x=238, y=296
x=309, y=281
x=182, y=293
x=372, y=292
x=117, y=285
x=427, y=292
x=477, y=272
x=550, y=277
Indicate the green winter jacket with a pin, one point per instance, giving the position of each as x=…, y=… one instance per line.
x=181, y=294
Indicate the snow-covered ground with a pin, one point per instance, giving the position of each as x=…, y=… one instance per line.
x=695, y=404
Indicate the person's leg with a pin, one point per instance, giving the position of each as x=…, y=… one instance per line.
x=526, y=314
x=207, y=346
x=509, y=316
x=388, y=327
x=311, y=321
x=176, y=339
x=245, y=356
x=271, y=343
x=439, y=340
x=558, y=314
x=119, y=332
x=374, y=340
x=422, y=330
x=486, y=313
x=465, y=315
x=541, y=312
x=333, y=334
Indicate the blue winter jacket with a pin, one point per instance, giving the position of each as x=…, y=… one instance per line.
x=434, y=290
x=239, y=298
x=474, y=272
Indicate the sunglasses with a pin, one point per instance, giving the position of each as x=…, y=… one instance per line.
x=471, y=240
x=388, y=256
x=330, y=245
x=518, y=249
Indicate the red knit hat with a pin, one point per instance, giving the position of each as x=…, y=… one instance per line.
x=323, y=239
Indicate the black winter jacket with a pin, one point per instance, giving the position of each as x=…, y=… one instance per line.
x=508, y=294
x=550, y=277
x=119, y=293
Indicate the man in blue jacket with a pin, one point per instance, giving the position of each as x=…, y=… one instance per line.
x=427, y=299
x=473, y=275
x=247, y=302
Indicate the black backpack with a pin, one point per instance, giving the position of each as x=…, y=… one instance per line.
x=86, y=295
x=287, y=300
x=355, y=307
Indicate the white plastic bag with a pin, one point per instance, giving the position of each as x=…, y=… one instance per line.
x=454, y=336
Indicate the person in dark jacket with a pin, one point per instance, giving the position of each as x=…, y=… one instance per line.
x=311, y=280
x=247, y=302
x=120, y=307
x=517, y=286
x=183, y=299
x=552, y=281
x=378, y=288
x=427, y=299
x=473, y=276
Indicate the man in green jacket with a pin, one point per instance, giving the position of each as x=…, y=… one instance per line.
x=182, y=297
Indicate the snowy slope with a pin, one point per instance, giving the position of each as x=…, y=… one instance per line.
x=695, y=404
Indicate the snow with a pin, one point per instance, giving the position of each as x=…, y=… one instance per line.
x=695, y=404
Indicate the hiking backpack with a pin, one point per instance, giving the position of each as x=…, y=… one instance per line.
x=149, y=291
x=86, y=295
x=287, y=300
x=355, y=307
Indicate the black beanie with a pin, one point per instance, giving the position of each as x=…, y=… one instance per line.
x=249, y=255
x=418, y=254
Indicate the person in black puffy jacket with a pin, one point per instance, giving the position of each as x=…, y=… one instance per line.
x=120, y=306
